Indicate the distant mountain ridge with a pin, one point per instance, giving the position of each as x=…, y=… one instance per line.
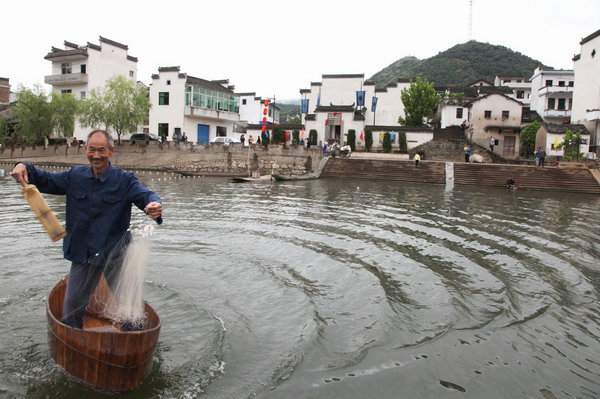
x=460, y=65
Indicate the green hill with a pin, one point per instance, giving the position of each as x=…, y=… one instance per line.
x=460, y=65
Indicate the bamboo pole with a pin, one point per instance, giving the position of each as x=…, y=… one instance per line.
x=43, y=212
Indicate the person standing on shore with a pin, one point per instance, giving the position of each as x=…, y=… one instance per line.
x=468, y=151
x=492, y=144
x=417, y=158
x=98, y=212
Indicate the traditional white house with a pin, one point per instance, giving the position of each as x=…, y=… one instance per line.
x=586, y=96
x=252, y=108
x=202, y=109
x=498, y=117
x=341, y=103
x=550, y=137
x=77, y=69
x=521, y=88
x=552, y=94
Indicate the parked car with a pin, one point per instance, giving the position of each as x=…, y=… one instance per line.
x=225, y=140
x=139, y=137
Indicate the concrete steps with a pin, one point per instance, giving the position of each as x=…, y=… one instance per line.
x=427, y=172
x=529, y=177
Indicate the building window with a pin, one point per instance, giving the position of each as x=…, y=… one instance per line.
x=518, y=81
x=168, y=83
x=505, y=114
x=548, y=83
x=561, y=83
x=520, y=94
x=66, y=91
x=571, y=83
x=487, y=114
x=163, y=129
x=83, y=68
x=570, y=103
x=243, y=101
x=551, y=103
x=66, y=67
x=562, y=103
x=459, y=113
x=82, y=94
x=131, y=73
x=506, y=80
x=163, y=98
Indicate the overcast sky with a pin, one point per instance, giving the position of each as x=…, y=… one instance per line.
x=276, y=48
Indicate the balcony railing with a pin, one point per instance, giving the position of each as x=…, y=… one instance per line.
x=211, y=113
x=547, y=90
x=592, y=114
x=557, y=113
x=66, y=79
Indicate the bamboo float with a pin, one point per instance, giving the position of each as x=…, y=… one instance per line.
x=43, y=212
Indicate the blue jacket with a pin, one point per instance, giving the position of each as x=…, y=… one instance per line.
x=98, y=210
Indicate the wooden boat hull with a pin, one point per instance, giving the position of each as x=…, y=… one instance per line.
x=265, y=178
x=307, y=176
x=100, y=355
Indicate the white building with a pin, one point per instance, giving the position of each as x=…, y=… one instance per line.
x=586, y=97
x=499, y=117
x=552, y=94
x=252, y=108
x=521, y=88
x=202, y=109
x=77, y=69
x=333, y=110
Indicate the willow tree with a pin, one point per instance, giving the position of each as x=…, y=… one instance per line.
x=34, y=116
x=118, y=106
x=527, y=139
x=420, y=102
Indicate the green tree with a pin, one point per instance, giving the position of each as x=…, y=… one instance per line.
x=368, y=139
x=528, y=139
x=387, y=142
x=265, y=138
x=64, y=109
x=352, y=139
x=295, y=136
x=312, y=136
x=571, y=145
x=118, y=106
x=402, y=142
x=34, y=115
x=420, y=103
x=278, y=135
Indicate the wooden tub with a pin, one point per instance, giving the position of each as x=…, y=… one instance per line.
x=100, y=355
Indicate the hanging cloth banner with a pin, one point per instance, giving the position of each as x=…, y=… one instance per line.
x=362, y=135
x=305, y=106
x=374, y=104
x=360, y=98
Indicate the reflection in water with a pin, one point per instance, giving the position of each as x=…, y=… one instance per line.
x=334, y=289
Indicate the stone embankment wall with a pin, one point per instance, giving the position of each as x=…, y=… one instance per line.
x=215, y=159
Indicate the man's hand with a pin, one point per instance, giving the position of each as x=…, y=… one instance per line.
x=154, y=209
x=19, y=173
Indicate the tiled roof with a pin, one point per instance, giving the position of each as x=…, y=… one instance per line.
x=398, y=128
x=304, y=91
x=168, y=69
x=335, y=108
x=207, y=84
x=113, y=43
x=515, y=129
x=64, y=53
x=341, y=76
x=562, y=128
x=310, y=117
x=492, y=94
x=590, y=37
x=529, y=116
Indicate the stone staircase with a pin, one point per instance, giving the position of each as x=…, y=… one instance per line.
x=529, y=177
x=381, y=169
x=452, y=150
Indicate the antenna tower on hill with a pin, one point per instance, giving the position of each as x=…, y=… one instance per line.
x=470, y=32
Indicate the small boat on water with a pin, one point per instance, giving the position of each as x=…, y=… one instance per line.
x=306, y=176
x=241, y=179
x=101, y=355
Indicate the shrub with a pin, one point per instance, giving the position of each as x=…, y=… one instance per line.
x=352, y=139
x=402, y=142
x=295, y=136
x=387, y=143
x=312, y=136
x=368, y=139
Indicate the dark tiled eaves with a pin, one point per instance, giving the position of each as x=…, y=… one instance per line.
x=168, y=69
x=515, y=129
x=113, y=43
x=590, y=37
x=132, y=58
x=316, y=84
x=71, y=45
x=369, y=83
x=207, y=84
x=576, y=57
x=335, y=108
x=349, y=76
x=94, y=46
x=562, y=128
x=398, y=128
x=304, y=91
x=310, y=117
x=65, y=53
x=246, y=94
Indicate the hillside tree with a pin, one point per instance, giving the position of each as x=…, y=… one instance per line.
x=420, y=103
x=118, y=106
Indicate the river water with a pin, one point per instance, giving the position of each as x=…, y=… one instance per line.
x=336, y=289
